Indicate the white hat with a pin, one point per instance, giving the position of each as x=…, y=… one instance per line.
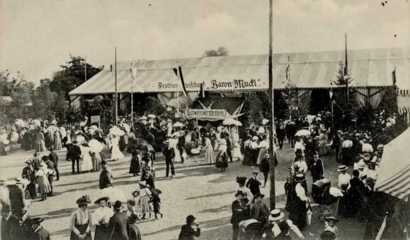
x=255, y=138
x=275, y=215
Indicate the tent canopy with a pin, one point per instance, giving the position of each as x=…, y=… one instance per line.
x=394, y=172
x=308, y=70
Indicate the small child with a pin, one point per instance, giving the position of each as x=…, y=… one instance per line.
x=331, y=226
x=156, y=202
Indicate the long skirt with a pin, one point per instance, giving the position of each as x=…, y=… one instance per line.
x=57, y=143
x=31, y=188
x=262, y=152
x=297, y=212
x=144, y=205
x=102, y=232
x=81, y=229
x=40, y=146
x=347, y=156
x=44, y=186
x=87, y=163
x=116, y=153
x=2, y=149
x=96, y=159
x=222, y=161
x=210, y=155
x=134, y=233
x=135, y=166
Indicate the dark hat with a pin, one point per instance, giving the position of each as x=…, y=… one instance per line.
x=83, y=200
x=190, y=218
x=244, y=199
x=342, y=168
x=118, y=205
x=298, y=151
x=101, y=199
x=259, y=195
x=103, y=162
x=36, y=220
x=241, y=180
x=327, y=235
x=300, y=178
x=331, y=218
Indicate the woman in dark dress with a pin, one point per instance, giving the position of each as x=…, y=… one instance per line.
x=297, y=206
x=135, y=166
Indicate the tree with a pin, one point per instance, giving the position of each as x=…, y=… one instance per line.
x=47, y=103
x=72, y=75
x=221, y=51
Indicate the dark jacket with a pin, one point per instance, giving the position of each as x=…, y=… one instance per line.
x=317, y=170
x=188, y=233
x=253, y=185
x=169, y=153
x=75, y=152
x=181, y=141
x=42, y=234
x=118, y=224
x=105, y=179
x=53, y=157
x=239, y=213
x=50, y=165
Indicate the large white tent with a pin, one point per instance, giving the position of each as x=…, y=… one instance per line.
x=394, y=171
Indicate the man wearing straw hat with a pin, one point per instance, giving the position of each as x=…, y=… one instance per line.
x=278, y=227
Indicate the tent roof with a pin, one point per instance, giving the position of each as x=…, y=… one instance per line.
x=394, y=172
x=368, y=68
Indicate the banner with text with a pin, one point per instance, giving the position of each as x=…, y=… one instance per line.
x=206, y=114
x=211, y=85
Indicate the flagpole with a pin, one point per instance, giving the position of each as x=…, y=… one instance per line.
x=116, y=90
x=132, y=98
x=271, y=110
x=85, y=60
x=331, y=99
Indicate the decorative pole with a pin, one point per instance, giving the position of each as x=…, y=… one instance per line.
x=116, y=90
x=271, y=110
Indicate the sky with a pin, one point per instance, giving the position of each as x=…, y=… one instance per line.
x=38, y=36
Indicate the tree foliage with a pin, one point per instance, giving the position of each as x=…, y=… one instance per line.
x=221, y=51
x=72, y=75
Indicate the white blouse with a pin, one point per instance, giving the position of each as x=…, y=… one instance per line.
x=80, y=217
x=102, y=215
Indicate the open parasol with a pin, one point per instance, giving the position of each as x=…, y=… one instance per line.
x=151, y=116
x=229, y=121
x=20, y=123
x=178, y=124
x=114, y=194
x=95, y=146
x=302, y=133
x=36, y=122
x=116, y=131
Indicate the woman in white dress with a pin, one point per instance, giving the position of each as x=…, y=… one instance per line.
x=87, y=163
x=116, y=154
x=101, y=218
x=173, y=142
x=209, y=150
x=263, y=145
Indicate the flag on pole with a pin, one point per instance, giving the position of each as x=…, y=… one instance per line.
x=394, y=76
x=331, y=94
x=178, y=72
x=381, y=230
x=201, y=91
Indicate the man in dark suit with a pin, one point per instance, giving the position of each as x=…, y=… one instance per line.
x=105, y=176
x=254, y=184
x=317, y=168
x=240, y=212
x=181, y=144
x=169, y=155
x=54, y=158
x=50, y=165
x=75, y=156
x=228, y=146
x=187, y=232
x=118, y=223
x=39, y=232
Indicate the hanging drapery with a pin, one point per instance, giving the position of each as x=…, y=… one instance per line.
x=361, y=96
x=304, y=100
x=376, y=96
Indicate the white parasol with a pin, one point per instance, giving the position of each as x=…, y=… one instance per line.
x=151, y=116
x=80, y=138
x=178, y=124
x=20, y=123
x=95, y=146
x=229, y=121
x=116, y=131
x=302, y=133
x=143, y=118
x=36, y=122
x=237, y=123
x=126, y=127
x=114, y=194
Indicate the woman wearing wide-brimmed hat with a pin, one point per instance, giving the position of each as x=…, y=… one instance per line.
x=101, y=218
x=297, y=207
x=81, y=220
x=278, y=227
x=44, y=187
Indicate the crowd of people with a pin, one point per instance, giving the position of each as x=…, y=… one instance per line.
x=359, y=149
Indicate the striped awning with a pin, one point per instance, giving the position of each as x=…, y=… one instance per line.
x=367, y=67
x=394, y=171
x=104, y=83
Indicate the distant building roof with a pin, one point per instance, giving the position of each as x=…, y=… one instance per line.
x=368, y=68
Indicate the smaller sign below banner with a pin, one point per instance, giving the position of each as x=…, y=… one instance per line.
x=206, y=114
x=96, y=119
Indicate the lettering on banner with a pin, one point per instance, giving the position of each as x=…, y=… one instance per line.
x=236, y=84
